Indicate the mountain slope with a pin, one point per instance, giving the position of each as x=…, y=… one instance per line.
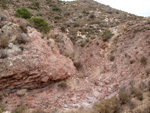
x=91, y=52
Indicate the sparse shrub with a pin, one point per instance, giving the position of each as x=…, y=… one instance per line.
x=143, y=60
x=112, y=58
x=56, y=8
x=107, y=34
x=23, y=13
x=109, y=12
x=62, y=85
x=40, y=24
x=49, y=0
x=4, y=6
x=57, y=17
x=85, y=12
x=36, y=4
x=39, y=14
x=75, y=24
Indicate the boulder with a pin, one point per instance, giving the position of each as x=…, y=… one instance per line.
x=21, y=92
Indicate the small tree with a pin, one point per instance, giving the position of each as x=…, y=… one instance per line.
x=4, y=6
x=40, y=24
x=23, y=13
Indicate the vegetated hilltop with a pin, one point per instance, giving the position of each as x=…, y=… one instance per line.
x=79, y=53
x=77, y=18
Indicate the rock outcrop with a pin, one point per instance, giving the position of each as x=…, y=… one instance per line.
x=71, y=67
x=30, y=61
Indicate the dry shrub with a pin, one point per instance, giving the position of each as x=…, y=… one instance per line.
x=142, y=109
x=23, y=25
x=137, y=93
x=123, y=97
x=38, y=111
x=54, y=111
x=82, y=110
x=4, y=41
x=20, y=109
x=3, y=54
x=80, y=75
x=131, y=105
x=147, y=72
x=22, y=38
x=78, y=65
x=106, y=106
x=62, y=85
x=1, y=109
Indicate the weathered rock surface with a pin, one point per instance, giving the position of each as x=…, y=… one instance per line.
x=101, y=78
x=63, y=41
x=128, y=46
x=31, y=61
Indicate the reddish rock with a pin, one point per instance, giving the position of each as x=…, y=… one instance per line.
x=34, y=66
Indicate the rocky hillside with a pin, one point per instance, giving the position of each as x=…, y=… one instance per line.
x=91, y=53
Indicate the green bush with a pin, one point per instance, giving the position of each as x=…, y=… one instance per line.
x=40, y=24
x=35, y=5
x=56, y=8
x=112, y=58
x=144, y=60
x=4, y=6
x=23, y=13
x=107, y=34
